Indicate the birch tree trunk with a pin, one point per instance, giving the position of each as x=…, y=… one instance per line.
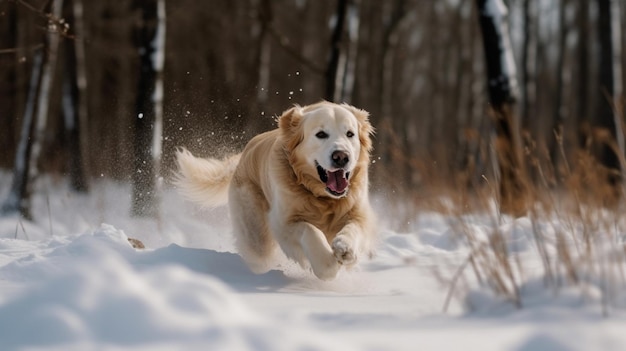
x=45, y=90
x=36, y=116
x=18, y=200
x=503, y=90
x=150, y=40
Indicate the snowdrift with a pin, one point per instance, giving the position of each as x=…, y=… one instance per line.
x=69, y=282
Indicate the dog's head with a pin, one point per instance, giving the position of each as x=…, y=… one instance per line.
x=328, y=146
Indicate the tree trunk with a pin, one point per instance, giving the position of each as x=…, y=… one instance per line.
x=582, y=101
x=150, y=41
x=263, y=58
x=264, y=51
x=608, y=133
x=560, y=108
x=529, y=67
x=618, y=83
x=35, y=116
x=390, y=41
x=502, y=88
x=45, y=91
x=349, y=56
x=388, y=146
x=8, y=76
x=332, y=83
x=74, y=99
x=18, y=200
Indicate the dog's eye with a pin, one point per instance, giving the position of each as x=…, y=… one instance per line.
x=349, y=134
x=321, y=135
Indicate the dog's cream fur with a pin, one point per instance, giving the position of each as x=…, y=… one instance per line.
x=288, y=189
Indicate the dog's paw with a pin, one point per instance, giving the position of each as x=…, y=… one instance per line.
x=343, y=251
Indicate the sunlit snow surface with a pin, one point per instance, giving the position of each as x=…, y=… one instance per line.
x=71, y=281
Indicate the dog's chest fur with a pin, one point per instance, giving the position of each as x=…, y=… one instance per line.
x=328, y=215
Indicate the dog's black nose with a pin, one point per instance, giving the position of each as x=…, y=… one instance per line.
x=340, y=158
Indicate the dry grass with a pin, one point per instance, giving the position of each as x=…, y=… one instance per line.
x=576, y=230
x=572, y=209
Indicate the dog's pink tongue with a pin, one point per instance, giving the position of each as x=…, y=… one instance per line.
x=336, y=181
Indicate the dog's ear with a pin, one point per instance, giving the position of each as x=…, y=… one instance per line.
x=366, y=130
x=289, y=125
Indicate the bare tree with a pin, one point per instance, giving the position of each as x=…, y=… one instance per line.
x=529, y=62
x=392, y=14
x=582, y=53
x=502, y=89
x=9, y=76
x=618, y=83
x=18, y=200
x=389, y=44
x=609, y=144
x=348, y=57
x=265, y=17
x=414, y=69
x=35, y=116
x=74, y=96
x=560, y=108
x=333, y=80
x=150, y=41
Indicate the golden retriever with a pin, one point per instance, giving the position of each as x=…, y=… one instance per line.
x=302, y=187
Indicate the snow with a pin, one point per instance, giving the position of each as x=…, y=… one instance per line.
x=71, y=281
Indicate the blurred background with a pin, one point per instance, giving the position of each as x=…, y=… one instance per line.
x=230, y=67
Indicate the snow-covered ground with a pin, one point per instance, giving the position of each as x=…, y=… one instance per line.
x=70, y=281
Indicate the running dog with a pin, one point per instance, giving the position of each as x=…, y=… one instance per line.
x=302, y=187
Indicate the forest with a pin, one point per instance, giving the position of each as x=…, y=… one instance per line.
x=496, y=180
x=225, y=69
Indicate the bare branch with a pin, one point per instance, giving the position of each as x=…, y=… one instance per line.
x=14, y=50
x=55, y=24
x=284, y=43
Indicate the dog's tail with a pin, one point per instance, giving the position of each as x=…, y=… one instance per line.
x=204, y=180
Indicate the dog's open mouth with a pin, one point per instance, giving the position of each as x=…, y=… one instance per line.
x=336, y=181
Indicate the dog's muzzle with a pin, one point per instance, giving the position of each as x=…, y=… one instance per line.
x=337, y=181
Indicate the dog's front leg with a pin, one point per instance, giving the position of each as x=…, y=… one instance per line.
x=315, y=249
x=345, y=244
